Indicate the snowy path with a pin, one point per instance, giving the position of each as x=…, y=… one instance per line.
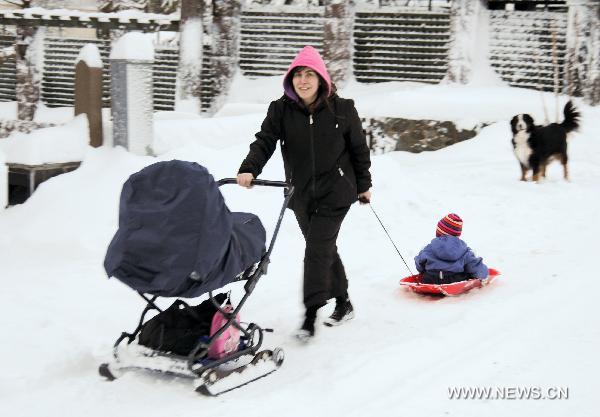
x=536, y=325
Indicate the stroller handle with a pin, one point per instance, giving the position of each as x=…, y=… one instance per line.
x=266, y=183
x=287, y=193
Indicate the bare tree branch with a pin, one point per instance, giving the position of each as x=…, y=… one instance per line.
x=169, y=6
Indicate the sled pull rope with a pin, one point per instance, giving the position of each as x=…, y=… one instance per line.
x=390, y=238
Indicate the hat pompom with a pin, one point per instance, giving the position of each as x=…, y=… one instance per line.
x=450, y=225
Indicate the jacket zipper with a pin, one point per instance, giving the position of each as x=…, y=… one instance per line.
x=343, y=176
x=312, y=149
x=285, y=161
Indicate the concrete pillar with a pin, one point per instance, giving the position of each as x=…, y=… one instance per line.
x=337, y=40
x=131, y=60
x=88, y=90
x=582, y=64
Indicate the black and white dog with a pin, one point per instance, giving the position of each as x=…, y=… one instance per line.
x=536, y=146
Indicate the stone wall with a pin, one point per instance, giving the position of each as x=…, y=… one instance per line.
x=397, y=134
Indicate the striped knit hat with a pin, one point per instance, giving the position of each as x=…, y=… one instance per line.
x=451, y=225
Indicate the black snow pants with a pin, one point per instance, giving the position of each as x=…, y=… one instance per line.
x=324, y=274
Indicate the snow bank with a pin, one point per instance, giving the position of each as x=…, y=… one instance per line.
x=59, y=115
x=43, y=114
x=73, y=203
x=518, y=332
x=217, y=133
x=485, y=100
x=66, y=143
x=260, y=90
x=8, y=110
x=461, y=104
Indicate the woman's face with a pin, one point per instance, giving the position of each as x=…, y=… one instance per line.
x=306, y=85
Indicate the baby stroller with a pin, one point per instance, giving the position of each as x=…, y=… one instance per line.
x=177, y=238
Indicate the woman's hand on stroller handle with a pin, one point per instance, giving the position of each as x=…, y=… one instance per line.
x=244, y=179
x=266, y=183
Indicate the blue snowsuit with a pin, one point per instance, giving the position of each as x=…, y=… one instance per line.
x=448, y=259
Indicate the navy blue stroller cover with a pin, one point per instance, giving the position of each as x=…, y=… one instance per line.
x=176, y=236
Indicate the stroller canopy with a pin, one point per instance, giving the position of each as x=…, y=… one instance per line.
x=176, y=236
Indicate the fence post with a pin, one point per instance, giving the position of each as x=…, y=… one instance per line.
x=465, y=17
x=582, y=64
x=131, y=60
x=337, y=39
x=88, y=90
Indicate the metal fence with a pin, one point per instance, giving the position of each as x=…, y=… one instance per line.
x=7, y=70
x=401, y=46
x=390, y=44
x=394, y=45
x=528, y=49
x=58, y=81
x=269, y=40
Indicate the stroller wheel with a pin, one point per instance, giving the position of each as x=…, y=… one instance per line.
x=104, y=371
x=211, y=377
x=278, y=356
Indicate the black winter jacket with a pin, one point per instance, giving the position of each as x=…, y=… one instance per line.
x=325, y=154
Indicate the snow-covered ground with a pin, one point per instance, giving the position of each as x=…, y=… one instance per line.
x=537, y=326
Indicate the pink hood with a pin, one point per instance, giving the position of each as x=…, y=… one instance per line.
x=307, y=57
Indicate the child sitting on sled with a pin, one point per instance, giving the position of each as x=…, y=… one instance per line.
x=447, y=258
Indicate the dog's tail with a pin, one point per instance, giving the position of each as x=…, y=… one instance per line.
x=572, y=116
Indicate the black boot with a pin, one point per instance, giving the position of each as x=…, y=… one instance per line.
x=307, y=331
x=343, y=312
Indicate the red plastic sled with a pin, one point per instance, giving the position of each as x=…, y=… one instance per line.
x=413, y=283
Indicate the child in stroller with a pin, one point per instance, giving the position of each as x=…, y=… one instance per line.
x=177, y=238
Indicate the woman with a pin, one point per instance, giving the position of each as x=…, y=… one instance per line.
x=327, y=159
